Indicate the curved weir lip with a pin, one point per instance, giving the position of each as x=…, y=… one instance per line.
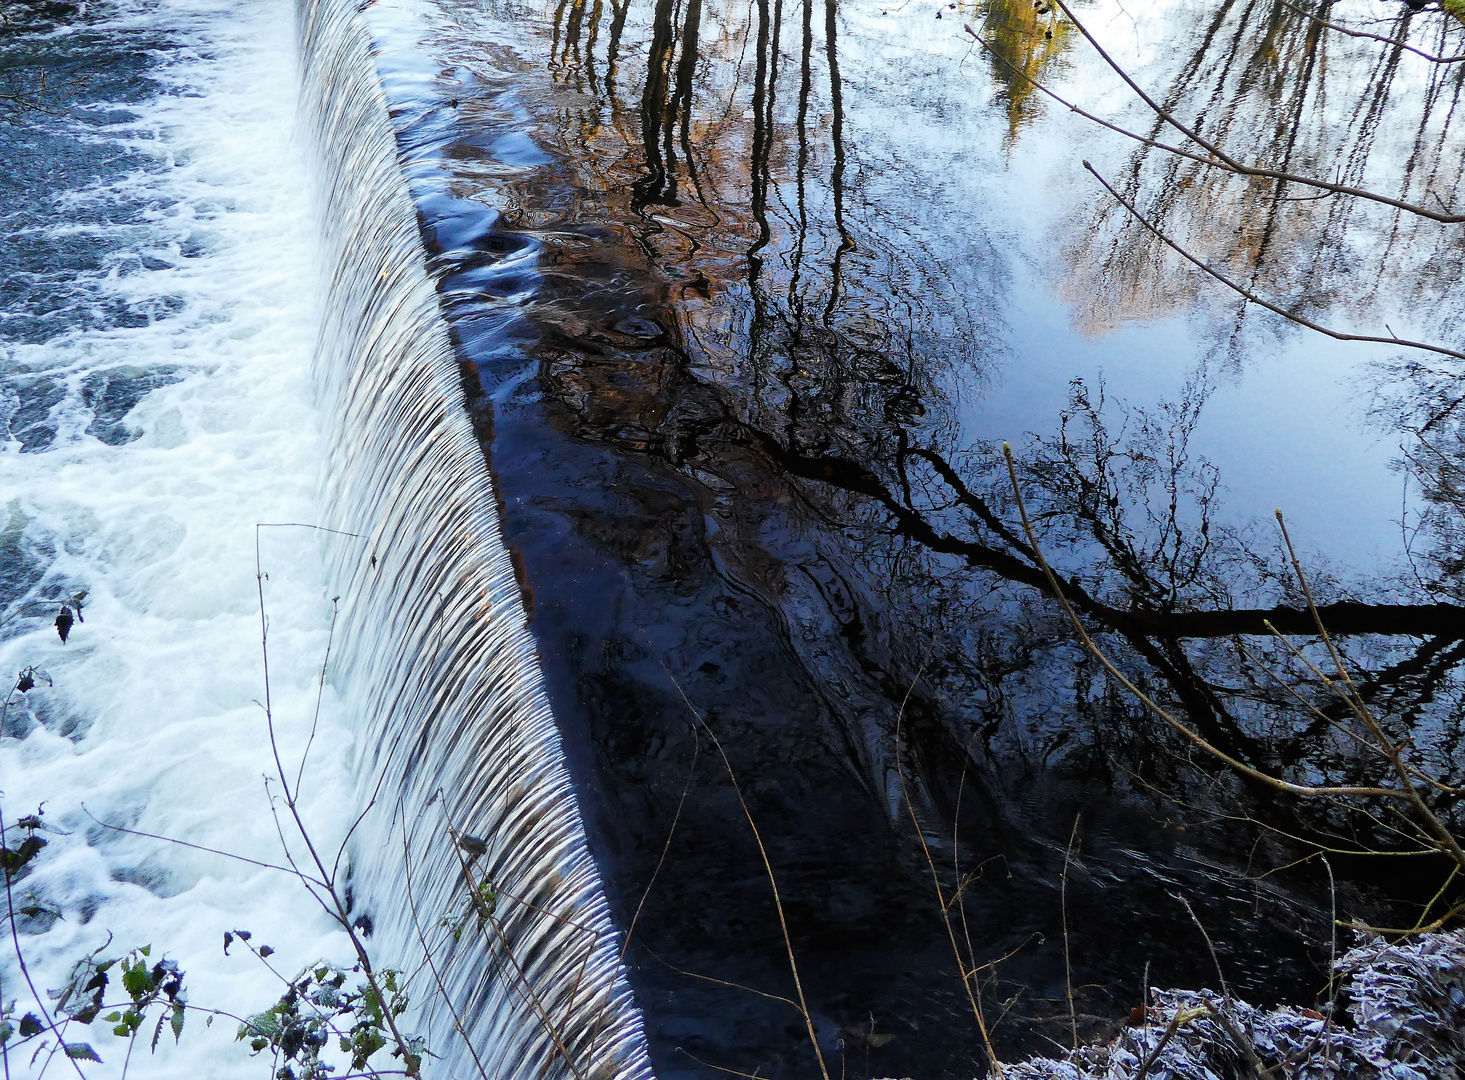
x=862, y=915
x=698, y=514
x=472, y=849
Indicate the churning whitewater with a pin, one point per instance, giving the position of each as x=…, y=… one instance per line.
x=199, y=382
x=199, y=316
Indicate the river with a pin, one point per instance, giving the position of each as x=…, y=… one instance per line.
x=720, y=557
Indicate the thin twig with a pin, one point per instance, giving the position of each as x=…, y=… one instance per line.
x=1349, y=31
x=320, y=690
x=1223, y=1015
x=1404, y=931
x=670, y=833
x=332, y=903
x=719, y=982
x=1210, y=945
x=437, y=977
x=1335, y=984
x=1261, y=301
x=1063, y=903
x=485, y=916
x=292, y=871
x=646, y=892
x=721, y=1068
x=1393, y=751
x=1443, y=217
x=974, y=995
x=1226, y=159
x=788, y=943
x=1181, y=1016
x=1149, y=703
x=25, y=969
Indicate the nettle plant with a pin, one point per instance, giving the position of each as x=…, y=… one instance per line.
x=128, y=989
x=137, y=994
x=318, y=1008
x=329, y=1016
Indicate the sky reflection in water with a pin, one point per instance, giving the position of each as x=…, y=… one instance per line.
x=754, y=291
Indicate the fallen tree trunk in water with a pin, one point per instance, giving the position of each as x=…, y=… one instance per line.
x=1344, y=617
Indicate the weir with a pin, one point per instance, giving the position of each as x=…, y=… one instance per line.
x=754, y=290
x=456, y=736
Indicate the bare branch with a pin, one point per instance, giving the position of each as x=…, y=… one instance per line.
x=772, y=878
x=427, y=951
x=1348, y=31
x=1219, y=159
x=1149, y=703
x=1260, y=301
x=25, y=969
x=974, y=996
x=293, y=872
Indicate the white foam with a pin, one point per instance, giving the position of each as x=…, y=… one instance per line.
x=153, y=720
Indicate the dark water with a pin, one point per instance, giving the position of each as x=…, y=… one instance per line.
x=746, y=305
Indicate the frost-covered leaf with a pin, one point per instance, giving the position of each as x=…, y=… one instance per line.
x=1406, y=1004
x=80, y=1051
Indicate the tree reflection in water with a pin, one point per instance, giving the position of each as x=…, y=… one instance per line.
x=1273, y=83
x=736, y=460
x=1028, y=42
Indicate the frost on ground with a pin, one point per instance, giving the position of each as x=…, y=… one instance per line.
x=1404, y=1020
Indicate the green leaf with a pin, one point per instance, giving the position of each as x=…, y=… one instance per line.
x=176, y=1022
x=24, y=852
x=30, y=1024
x=112, y=1017
x=136, y=981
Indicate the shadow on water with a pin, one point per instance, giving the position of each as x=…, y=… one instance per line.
x=718, y=383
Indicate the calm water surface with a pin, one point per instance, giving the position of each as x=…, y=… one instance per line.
x=749, y=295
